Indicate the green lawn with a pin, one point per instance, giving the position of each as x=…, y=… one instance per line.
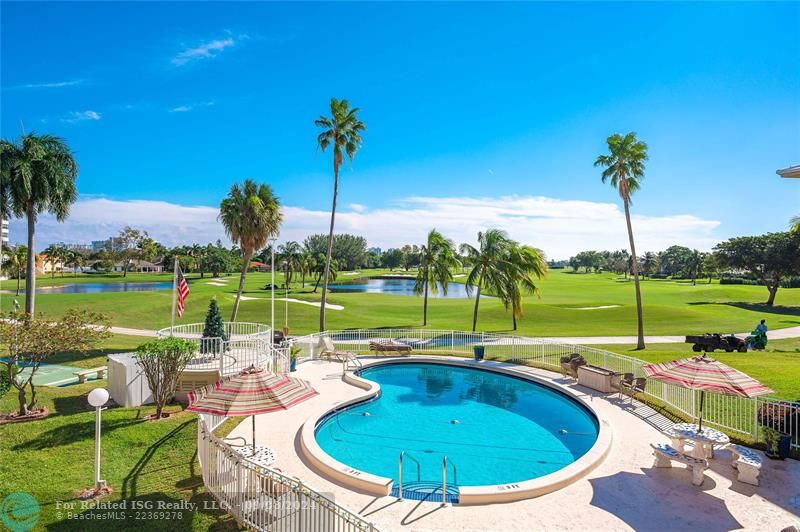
x=52, y=459
x=671, y=307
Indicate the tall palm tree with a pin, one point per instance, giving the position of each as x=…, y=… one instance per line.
x=488, y=263
x=289, y=254
x=342, y=130
x=525, y=264
x=624, y=169
x=38, y=175
x=437, y=260
x=305, y=265
x=251, y=215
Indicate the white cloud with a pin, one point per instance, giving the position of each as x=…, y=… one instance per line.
x=559, y=227
x=205, y=50
x=190, y=107
x=80, y=116
x=50, y=85
x=357, y=207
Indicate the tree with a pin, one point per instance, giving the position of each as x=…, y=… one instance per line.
x=409, y=257
x=56, y=257
x=675, y=260
x=694, y=265
x=769, y=257
x=75, y=260
x=305, y=264
x=624, y=168
x=162, y=362
x=319, y=269
x=342, y=130
x=392, y=258
x=214, y=328
x=437, y=260
x=37, y=175
x=524, y=265
x=649, y=263
x=14, y=262
x=130, y=240
x=30, y=342
x=489, y=269
x=795, y=223
x=251, y=215
x=216, y=260
x=289, y=256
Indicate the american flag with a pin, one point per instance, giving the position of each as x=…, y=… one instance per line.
x=183, y=292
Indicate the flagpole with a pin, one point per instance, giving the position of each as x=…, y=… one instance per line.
x=174, y=294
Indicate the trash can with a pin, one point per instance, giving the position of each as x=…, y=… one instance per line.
x=479, y=351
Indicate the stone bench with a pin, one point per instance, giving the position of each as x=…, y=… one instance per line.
x=666, y=454
x=84, y=374
x=747, y=462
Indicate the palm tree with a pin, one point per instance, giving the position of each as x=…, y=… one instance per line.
x=56, y=255
x=523, y=265
x=289, y=254
x=305, y=264
x=251, y=215
x=342, y=130
x=488, y=266
x=437, y=260
x=14, y=263
x=624, y=168
x=649, y=263
x=75, y=260
x=694, y=263
x=38, y=175
x=319, y=270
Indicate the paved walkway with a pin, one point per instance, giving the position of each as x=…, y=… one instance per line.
x=625, y=492
x=778, y=334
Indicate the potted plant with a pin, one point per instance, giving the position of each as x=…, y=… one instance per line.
x=479, y=351
x=293, y=352
x=776, y=422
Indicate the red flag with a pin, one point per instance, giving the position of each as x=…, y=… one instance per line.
x=183, y=292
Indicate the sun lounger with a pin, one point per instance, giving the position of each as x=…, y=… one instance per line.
x=389, y=346
x=330, y=352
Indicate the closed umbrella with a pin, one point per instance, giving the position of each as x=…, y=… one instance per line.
x=249, y=393
x=706, y=374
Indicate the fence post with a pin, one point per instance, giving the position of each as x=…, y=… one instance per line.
x=755, y=420
x=221, y=350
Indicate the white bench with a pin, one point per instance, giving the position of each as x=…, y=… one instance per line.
x=83, y=375
x=747, y=462
x=666, y=454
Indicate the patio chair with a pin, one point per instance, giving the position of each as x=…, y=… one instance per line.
x=330, y=352
x=570, y=364
x=620, y=379
x=633, y=388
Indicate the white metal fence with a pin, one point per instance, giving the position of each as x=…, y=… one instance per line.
x=264, y=499
x=738, y=416
x=248, y=345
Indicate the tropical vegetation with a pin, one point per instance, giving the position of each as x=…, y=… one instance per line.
x=437, y=260
x=624, y=168
x=342, y=131
x=251, y=216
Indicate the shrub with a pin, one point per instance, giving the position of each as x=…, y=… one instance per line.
x=783, y=417
x=162, y=362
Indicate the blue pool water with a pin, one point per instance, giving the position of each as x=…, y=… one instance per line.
x=96, y=288
x=400, y=287
x=495, y=429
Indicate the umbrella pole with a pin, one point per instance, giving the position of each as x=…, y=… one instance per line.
x=254, y=433
x=702, y=398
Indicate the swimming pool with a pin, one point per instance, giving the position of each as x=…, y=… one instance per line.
x=494, y=428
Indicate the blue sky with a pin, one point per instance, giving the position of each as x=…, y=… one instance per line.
x=478, y=114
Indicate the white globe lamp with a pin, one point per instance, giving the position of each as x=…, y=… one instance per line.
x=97, y=398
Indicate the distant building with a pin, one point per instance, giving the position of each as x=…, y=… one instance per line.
x=4, y=233
x=82, y=248
x=376, y=251
x=111, y=245
x=138, y=266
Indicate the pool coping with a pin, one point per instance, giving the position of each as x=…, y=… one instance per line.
x=468, y=495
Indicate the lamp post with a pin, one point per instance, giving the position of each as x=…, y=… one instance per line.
x=97, y=398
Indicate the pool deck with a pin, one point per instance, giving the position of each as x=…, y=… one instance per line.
x=624, y=492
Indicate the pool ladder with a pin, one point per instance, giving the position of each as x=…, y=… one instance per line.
x=444, y=475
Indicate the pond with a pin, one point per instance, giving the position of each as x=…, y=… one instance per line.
x=96, y=288
x=400, y=287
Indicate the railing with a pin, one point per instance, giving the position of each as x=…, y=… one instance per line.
x=400, y=473
x=248, y=345
x=236, y=330
x=263, y=499
x=738, y=416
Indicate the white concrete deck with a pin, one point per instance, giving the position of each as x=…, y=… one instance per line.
x=624, y=493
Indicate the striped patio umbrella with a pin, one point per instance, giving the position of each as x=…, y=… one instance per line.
x=249, y=393
x=706, y=374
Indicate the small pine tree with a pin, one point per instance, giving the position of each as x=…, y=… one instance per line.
x=214, y=328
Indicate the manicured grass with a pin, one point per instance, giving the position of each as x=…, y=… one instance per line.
x=141, y=460
x=778, y=366
x=671, y=307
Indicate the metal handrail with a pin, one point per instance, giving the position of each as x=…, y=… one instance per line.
x=400, y=472
x=444, y=479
